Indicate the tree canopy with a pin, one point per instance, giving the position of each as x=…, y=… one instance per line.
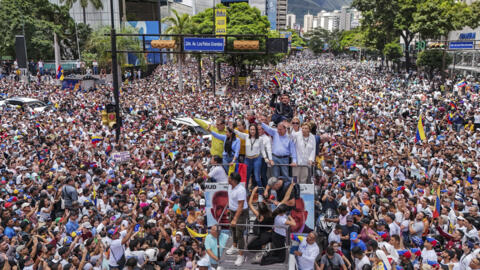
x=39, y=19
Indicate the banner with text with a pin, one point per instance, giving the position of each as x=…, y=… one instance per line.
x=220, y=21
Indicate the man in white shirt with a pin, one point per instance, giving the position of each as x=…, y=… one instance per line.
x=307, y=252
x=217, y=172
x=237, y=204
x=117, y=245
x=335, y=234
x=360, y=258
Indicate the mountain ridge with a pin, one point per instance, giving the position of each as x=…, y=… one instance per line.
x=302, y=7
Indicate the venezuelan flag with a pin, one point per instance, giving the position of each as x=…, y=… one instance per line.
x=462, y=83
x=450, y=118
x=284, y=74
x=96, y=139
x=438, y=207
x=355, y=126
x=296, y=237
x=453, y=106
x=420, y=136
x=194, y=234
x=172, y=154
x=60, y=73
x=241, y=169
x=276, y=81
x=94, y=194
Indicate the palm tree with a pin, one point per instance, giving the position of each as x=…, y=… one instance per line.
x=84, y=4
x=179, y=25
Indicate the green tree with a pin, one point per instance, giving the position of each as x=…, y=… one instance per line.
x=297, y=40
x=388, y=19
x=393, y=52
x=432, y=60
x=318, y=37
x=354, y=37
x=38, y=19
x=179, y=25
x=97, y=4
x=99, y=44
x=243, y=19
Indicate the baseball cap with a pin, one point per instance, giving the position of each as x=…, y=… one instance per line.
x=353, y=236
x=355, y=212
x=349, y=218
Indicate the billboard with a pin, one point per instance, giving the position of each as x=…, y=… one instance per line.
x=220, y=21
x=288, y=35
x=147, y=27
x=216, y=199
x=272, y=13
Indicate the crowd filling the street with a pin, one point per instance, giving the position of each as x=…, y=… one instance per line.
x=389, y=160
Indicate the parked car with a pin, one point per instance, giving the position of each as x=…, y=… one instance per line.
x=35, y=104
x=192, y=126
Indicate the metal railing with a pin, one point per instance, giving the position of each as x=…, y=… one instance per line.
x=248, y=226
x=311, y=170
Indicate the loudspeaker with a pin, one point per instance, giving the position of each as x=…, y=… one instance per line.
x=277, y=45
x=21, y=51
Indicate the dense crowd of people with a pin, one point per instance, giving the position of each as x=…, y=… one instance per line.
x=393, y=157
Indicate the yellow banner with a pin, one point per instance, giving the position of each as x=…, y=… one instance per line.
x=220, y=21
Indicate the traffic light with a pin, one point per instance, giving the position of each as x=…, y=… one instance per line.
x=111, y=116
x=163, y=44
x=246, y=45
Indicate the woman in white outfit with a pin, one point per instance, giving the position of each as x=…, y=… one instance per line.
x=305, y=146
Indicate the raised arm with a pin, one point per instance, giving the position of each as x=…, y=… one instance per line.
x=201, y=123
x=236, y=148
x=241, y=135
x=218, y=136
x=272, y=100
x=268, y=129
x=250, y=203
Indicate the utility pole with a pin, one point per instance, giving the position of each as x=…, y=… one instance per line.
x=78, y=44
x=160, y=26
x=116, y=94
x=214, y=56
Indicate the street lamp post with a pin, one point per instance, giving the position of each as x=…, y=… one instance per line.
x=116, y=94
x=160, y=26
x=214, y=56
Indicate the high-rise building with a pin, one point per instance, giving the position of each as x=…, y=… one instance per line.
x=282, y=6
x=260, y=4
x=291, y=21
x=329, y=20
x=345, y=18
x=307, y=22
x=200, y=5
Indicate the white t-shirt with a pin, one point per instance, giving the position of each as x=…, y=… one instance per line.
x=236, y=194
x=116, y=251
x=429, y=255
x=360, y=263
x=218, y=173
x=280, y=221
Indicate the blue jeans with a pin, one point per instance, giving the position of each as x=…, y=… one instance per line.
x=263, y=173
x=280, y=170
x=254, y=166
x=95, y=70
x=226, y=160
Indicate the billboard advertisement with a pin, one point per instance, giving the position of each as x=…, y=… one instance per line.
x=147, y=27
x=216, y=199
x=220, y=21
x=272, y=13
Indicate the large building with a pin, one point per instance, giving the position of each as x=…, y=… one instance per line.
x=200, y=5
x=291, y=21
x=260, y=4
x=344, y=19
x=307, y=22
x=282, y=6
x=329, y=20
